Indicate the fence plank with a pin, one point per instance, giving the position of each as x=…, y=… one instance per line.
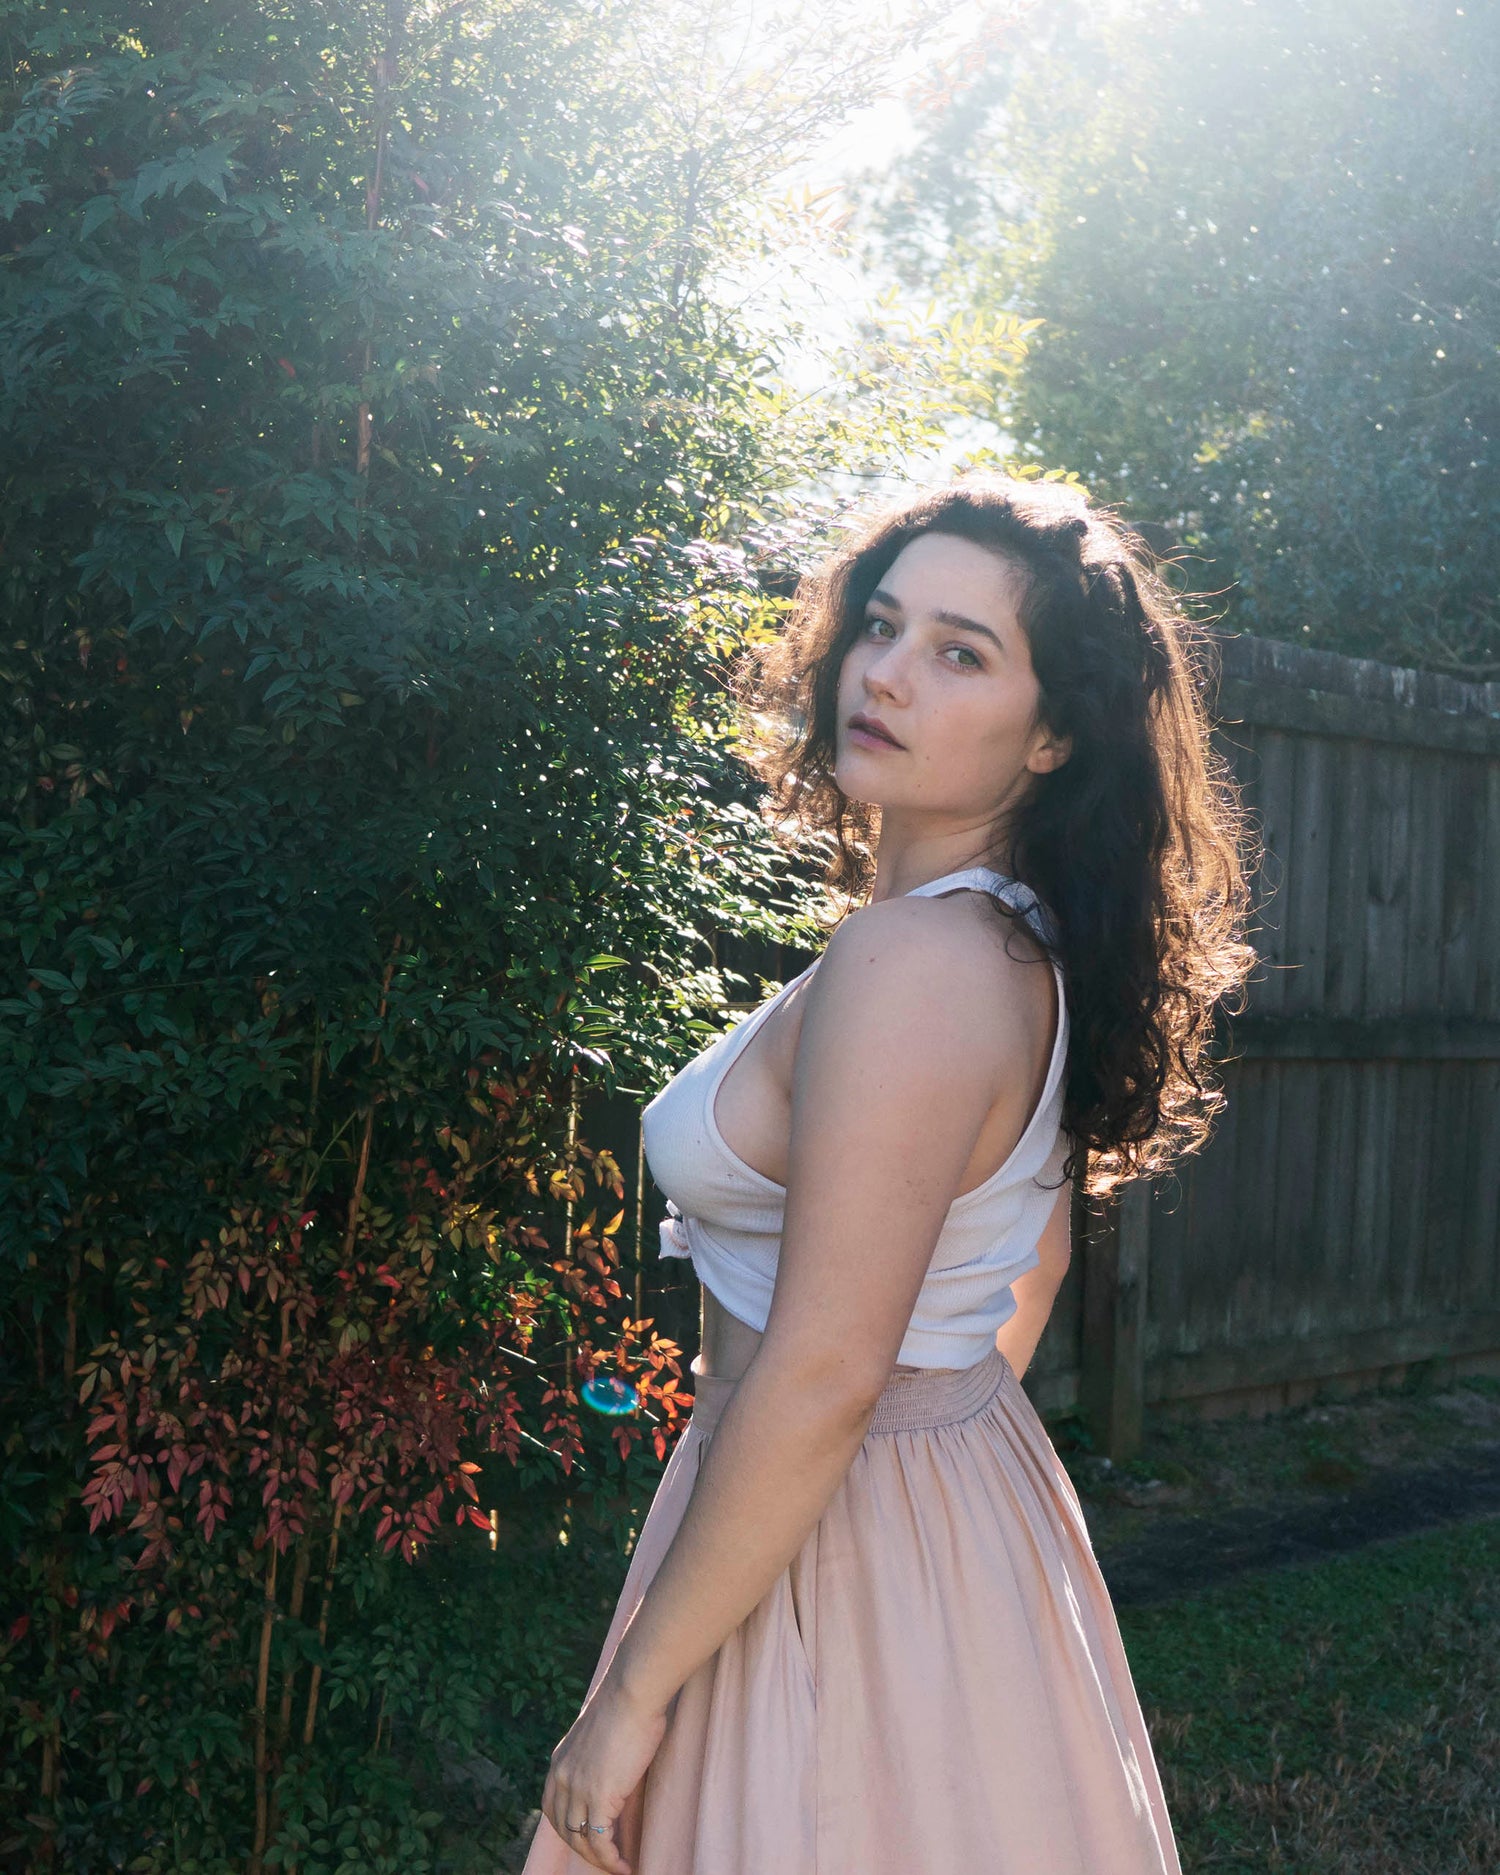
x=1307, y=882
x=1340, y=1245
x=1448, y=1198
x=1461, y=829
x=1366, y=720
x=1348, y=863
x=1118, y=1255
x=1275, y=781
x=1487, y=966
x=1275, y=1363
x=1423, y=965
x=1388, y=903
x=1364, y=1038
x=1481, y=1251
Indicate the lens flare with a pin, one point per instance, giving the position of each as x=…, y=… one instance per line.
x=609, y=1394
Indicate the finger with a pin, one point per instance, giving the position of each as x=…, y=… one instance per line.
x=605, y=1856
x=607, y=1850
x=563, y=1810
x=580, y=1841
x=628, y=1822
x=591, y=1849
x=596, y=1848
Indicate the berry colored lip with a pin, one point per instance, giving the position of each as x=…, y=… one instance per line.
x=870, y=734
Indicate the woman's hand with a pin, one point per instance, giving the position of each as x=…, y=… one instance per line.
x=596, y=1775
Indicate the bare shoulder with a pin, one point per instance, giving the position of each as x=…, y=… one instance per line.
x=951, y=925
x=960, y=939
x=945, y=981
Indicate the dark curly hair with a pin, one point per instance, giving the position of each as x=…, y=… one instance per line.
x=1138, y=844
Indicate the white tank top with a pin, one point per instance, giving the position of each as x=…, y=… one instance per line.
x=727, y=1217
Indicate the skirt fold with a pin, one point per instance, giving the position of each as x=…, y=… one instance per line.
x=935, y=1685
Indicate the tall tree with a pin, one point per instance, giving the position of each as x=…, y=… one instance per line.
x=1261, y=242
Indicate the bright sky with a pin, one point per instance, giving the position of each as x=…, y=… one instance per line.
x=811, y=277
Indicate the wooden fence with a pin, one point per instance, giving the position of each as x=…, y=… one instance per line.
x=1344, y=1220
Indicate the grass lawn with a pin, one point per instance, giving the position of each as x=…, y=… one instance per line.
x=1338, y=1719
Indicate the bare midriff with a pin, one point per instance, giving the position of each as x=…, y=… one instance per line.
x=726, y=1345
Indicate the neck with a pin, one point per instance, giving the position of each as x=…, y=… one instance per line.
x=895, y=876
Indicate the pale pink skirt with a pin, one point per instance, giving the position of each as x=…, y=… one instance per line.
x=935, y=1684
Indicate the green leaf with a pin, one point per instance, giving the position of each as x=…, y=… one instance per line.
x=95, y=214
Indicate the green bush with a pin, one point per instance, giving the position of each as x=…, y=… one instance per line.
x=376, y=468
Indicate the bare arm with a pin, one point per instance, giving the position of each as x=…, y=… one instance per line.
x=904, y=1045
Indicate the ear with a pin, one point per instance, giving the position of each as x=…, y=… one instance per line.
x=1050, y=752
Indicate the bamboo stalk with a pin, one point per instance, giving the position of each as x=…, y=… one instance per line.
x=47, y=1848
x=640, y=1221
x=70, y=1344
x=51, y=1778
x=385, y=71
x=572, y=1159
x=309, y=1723
x=310, y=1163
x=300, y=1572
x=357, y=1196
x=262, y=1681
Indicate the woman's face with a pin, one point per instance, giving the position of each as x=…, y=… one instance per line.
x=944, y=667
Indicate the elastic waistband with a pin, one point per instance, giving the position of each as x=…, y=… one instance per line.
x=936, y=1396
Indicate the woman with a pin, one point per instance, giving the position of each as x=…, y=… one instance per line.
x=863, y=1631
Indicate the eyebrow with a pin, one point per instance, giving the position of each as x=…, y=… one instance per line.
x=955, y=621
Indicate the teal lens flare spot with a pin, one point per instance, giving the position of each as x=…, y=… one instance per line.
x=608, y=1393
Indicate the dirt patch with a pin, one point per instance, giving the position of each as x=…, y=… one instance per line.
x=1188, y=1554
x=1208, y=1500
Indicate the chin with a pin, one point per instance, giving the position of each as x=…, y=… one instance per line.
x=849, y=780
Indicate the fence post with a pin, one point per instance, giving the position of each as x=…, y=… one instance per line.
x=1116, y=1257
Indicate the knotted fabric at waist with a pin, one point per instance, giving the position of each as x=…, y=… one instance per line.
x=674, y=1239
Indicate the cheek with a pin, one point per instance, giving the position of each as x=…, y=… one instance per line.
x=975, y=733
x=854, y=660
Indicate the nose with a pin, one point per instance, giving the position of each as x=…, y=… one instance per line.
x=885, y=672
